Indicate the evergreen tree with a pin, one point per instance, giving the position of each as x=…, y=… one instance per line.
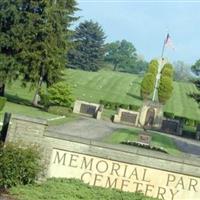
x=196, y=68
x=149, y=80
x=10, y=31
x=36, y=39
x=167, y=70
x=165, y=89
x=147, y=85
x=88, y=48
x=166, y=83
x=153, y=67
x=46, y=40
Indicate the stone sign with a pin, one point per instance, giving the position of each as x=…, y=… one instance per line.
x=127, y=177
x=111, y=166
x=127, y=117
x=89, y=109
x=171, y=126
x=144, y=138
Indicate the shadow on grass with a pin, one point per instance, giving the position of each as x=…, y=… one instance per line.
x=18, y=100
x=134, y=96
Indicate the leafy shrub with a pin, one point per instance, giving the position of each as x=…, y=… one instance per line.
x=147, y=85
x=168, y=115
x=18, y=165
x=59, y=110
x=137, y=144
x=165, y=89
x=2, y=102
x=58, y=94
x=153, y=67
x=116, y=105
x=167, y=70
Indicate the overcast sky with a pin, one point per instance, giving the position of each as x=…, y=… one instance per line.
x=146, y=23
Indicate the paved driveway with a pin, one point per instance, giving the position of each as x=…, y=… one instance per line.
x=88, y=128
x=93, y=129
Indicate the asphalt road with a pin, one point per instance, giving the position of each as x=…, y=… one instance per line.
x=93, y=129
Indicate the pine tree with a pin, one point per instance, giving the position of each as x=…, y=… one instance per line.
x=166, y=83
x=149, y=80
x=9, y=41
x=88, y=51
x=38, y=33
x=46, y=41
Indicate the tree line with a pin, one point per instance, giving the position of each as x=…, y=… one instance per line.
x=37, y=44
x=91, y=53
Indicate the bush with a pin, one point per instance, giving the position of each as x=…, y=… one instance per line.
x=116, y=105
x=145, y=146
x=59, y=110
x=2, y=102
x=165, y=89
x=167, y=70
x=169, y=115
x=18, y=165
x=58, y=94
x=147, y=85
x=153, y=67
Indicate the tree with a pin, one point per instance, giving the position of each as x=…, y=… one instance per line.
x=165, y=89
x=45, y=44
x=10, y=31
x=153, y=67
x=41, y=31
x=182, y=71
x=147, y=85
x=167, y=70
x=122, y=54
x=148, y=82
x=196, y=68
x=166, y=83
x=88, y=48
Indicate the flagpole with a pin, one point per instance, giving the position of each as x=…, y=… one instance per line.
x=160, y=65
x=163, y=48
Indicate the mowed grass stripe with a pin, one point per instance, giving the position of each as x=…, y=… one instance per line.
x=125, y=88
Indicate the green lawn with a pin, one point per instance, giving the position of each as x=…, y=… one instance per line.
x=105, y=85
x=125, y=88
x=63, y=189
x=132, y=135
x=19, y=102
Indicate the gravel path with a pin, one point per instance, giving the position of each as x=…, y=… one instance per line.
x=93, y=129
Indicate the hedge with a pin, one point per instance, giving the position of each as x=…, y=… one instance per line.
x=116, y=105
x=2, y=102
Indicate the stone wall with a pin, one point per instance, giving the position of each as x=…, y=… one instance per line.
x=117, y=166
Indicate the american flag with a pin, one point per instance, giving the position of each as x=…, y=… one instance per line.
x=168, y=42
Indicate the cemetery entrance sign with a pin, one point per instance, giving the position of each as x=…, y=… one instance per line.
x=112, y=166
x=127, y=177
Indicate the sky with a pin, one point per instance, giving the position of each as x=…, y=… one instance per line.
x=146, y=24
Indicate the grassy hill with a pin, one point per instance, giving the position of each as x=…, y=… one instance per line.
x=125, y=88
x=103, y=85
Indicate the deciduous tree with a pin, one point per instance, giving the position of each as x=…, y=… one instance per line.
x=122, y=54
